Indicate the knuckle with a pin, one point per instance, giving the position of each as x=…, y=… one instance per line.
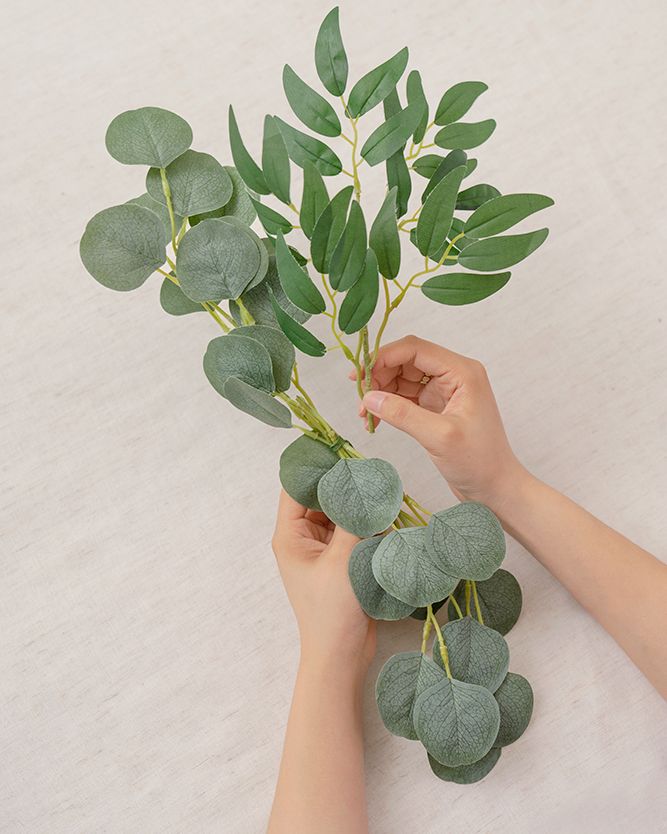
x=399, y=409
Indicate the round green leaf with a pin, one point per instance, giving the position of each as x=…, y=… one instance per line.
x=401, y=681
x=239, y=205
x=456, y=288
x=466, y=541
x=384, y=238
x=477, y=654
x=160, y=209
x=241, y=357
x=303, y=148
x=402, y=566
x=362, y=496
x=302, y=464
x=198, y=183
x=515, y=700
x=499, y=601
x=376, y=85
x=359, y=303
x=466, y=774
x=457, y=722
x=279, y=347
x=148, y=136
x=257, y=403
x=122, y=246
x=465, y=135
x=456, y=102
x=260, y=243
x=174, y=301
x=494, y=253
x=313, y=110
x=330, y=57
x=501, y=213
x=375, y=601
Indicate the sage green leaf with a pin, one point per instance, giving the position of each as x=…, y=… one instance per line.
x=174, y=301
x=239, y=205
x=456, y=288
x=500, y=252
x=415, y=93
x=315, y=198
x=515, y=700
x=313, y=110
x=359, y=303
x=257, y=300
x=148, y=136
x=122, y=246
x=375, y=601
x=376, y=85
x=297, y=334
x=451, y=161
x=275, y=161
x=241, y=357
x=198, y=183
x=398, y=176
x=465, y=135
x=347, y=259
x=244, y=229
x=295, y=280
x=302, y=465
x=279, y=347
x=466, y=540
x=160, y=209
x=499, y=601
x=472, y=198
x=391, y=135
x=384, y=237
x=501, y=213
x=362, y=496
x=466, y=774
x=401, y=681
x=477, y=654
x=403, y=568
x=257, y=403
x=457, y=722
x=303, y=148
x=456, y=102
x=246, y=166
x=436, y=215
x=218, y=259
x=330, y=57
x=273, y=222
x=328, y=229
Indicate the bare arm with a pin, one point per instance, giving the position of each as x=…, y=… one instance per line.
x=445, y=402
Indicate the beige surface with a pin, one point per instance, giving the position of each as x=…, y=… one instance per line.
x=147, y=646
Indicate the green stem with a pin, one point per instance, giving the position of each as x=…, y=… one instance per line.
x=368, y=370
x=444, y=654
x=456, y=606
x=170, y=207
x=476, y=598
x=426, y=631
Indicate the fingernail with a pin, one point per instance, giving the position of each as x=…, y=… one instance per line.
x=373, y=401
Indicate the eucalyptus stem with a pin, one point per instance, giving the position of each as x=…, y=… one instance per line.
x=441, y=640
x=467, y=597
x=368, y=370
x=170, y=208
x=354, y=143
x=476, y=598
x=457, y=608
x=426, y=631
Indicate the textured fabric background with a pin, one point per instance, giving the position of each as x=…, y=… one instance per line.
x=147, y=647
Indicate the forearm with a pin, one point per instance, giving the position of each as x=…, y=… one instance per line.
x=321, y=785
x=621, y=585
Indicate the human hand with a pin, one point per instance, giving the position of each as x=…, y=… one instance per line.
x=312, y=556
x=445, y=401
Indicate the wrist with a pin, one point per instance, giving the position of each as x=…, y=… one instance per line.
x=510, y=499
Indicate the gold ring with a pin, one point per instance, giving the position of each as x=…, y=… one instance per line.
x=425, y=380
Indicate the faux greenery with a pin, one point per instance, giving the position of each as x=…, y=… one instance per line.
x=324, y=255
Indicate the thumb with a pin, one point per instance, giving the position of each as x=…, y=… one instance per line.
x=403, y=414
x=343, y=540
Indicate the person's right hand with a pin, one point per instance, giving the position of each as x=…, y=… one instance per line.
x=445, y=401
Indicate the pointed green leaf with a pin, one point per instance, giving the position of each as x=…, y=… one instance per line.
x=239, y=205
x=148, y=136
x=391, y=135
x=273, y=221
x=303, y=148
x=499, y=601
x=398, y=176
x=515, y=699
x=257, y=300
x=246, y=166
x=330, y=57
x=347, y=259
x=501, y=252
x=279, y=347
x=456, y=288
x=401, y=681
x=428, y=164
x=257, y=403
x=456, y=102
x=238, y=356
x=391, y=104
x=275, y=161
x=376, y=85
x=438, y=210
x=160, y=209
x=296, y=282
x=359, y=303
x=297, y=334
x=501, y=213
x=451, y=161
x=466, y=540
x=328, y=229
x=384, y=238
x=122, y=246
x=175, y=302
x=375, y=601
x=198, y=183
x=438, y=250
x=415, y=93
x=466, y=774
x=472, y=198
x=477, y=654
x=313, y=110
x=465, y=135
x=302, y=465
x=362, y=496
x=315, y=198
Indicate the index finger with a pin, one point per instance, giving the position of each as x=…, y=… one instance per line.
x=289, y=511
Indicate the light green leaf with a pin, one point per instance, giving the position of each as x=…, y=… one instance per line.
x=295, y=280
x=477, y=654
x=438, y=210
x=398, y=176
x=347, y=259
x=302, y=465
x=174, y=301
x=391, y=135
x=257, y=403
x=315, y=198
x=258, y=302
x=328, y=229
x=198, y=183
x=239, y=205
x=451, y=161
x=376, y=85
x=122, y=246
x=466, y=774
x=303, y=148
x=456, y=288
x=501, y=213
x=515, y=699
x=241, y=357
x=273, y=222
x=499, y=601
x=359, y=304
x=403, y=568
x=401, y=681
x=500, y=252
x=456, y=722
x=415, y=93
x=160, y=209
x=148, y=136
x=330, y=57
x=375, y=601
x=313, y=110
x=279, y=347
x=246, y=166
x=456, y=102
x=275, y=161
x=465, y=135
x=384, y=238
x=297, y=334
x=466, y=540
x=475, y=196
x=362, y=496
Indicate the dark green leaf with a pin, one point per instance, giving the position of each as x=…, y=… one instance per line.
x=160, y=209
x=456, y=288
x=375, y=601
x=359, y=304
x=296, y=282
x=501, y=252
x=515, y=699
x=239, y=205
x=297, y=334
x=499, y=601
x=477, y=654
x=391, y=135
x=347, y=259
x=330, y=57
x=391, y=104
x=451, y=161
x=415, y=93
x=376, y=85
x=456, y=102
x=238, y=356
x=198, y=183
x=501, y=213
x=384, y=238
x=466, y=774
x=275, y=161
x=401, y=681
x=258, y=302
x=303, y=148
x=148, y=136
x=465, y=135
x=315, y=198
x=438, y=210
x=257, y=403
x=438, y=250
x=328, y=229
x=246, y=166
x=398, y=176
x=421, y=613
x=302, y=465
x=466, y=540
x=313, y=110
x=279, y=347
x=174, y=301
x=475, y=196
x=273, y=221
x=427, y=165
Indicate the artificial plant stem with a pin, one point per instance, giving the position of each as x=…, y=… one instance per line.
x=354, y=143
x=457, y=608
x=223, y=313
x=467, y=597
x=476, y=598
x=441, y=640
x=368, y=370
x=415, y=507
x=213, y=313
x=246, y=318
x=426, y=631
x=170, y=207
